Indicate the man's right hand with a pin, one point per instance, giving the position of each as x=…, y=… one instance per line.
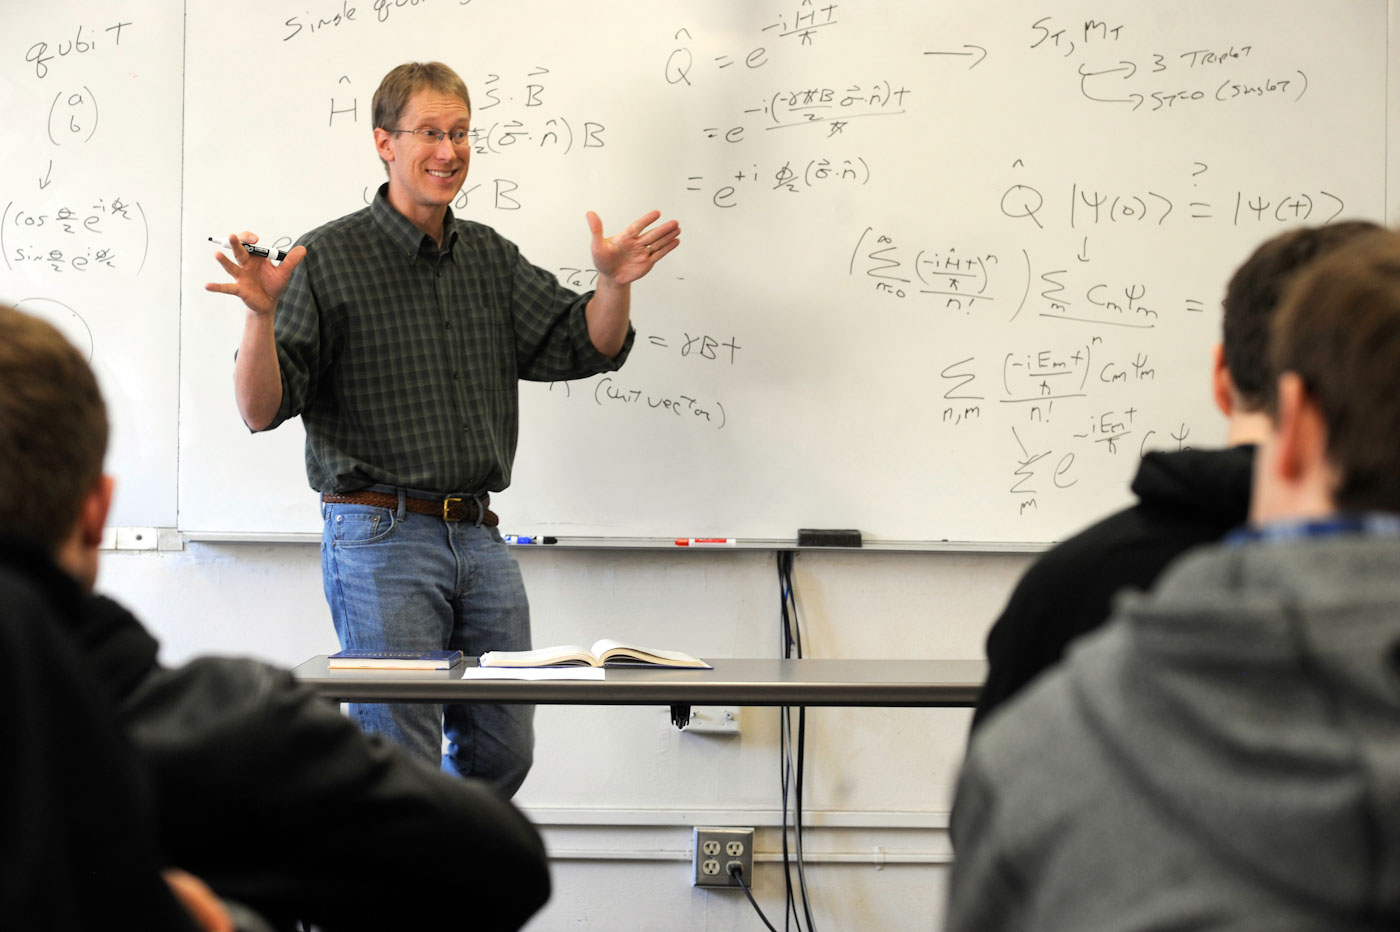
x=257, y=281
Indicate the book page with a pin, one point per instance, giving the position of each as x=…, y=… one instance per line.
x=533, y=673
x=540, y=656
x=607, y=649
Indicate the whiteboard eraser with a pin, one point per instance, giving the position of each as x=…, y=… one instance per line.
x=812, y=537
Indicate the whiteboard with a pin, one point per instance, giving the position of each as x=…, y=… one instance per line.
x=945, y=273
x=90, y=215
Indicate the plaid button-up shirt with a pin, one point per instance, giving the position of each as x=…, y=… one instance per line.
x=403, y=359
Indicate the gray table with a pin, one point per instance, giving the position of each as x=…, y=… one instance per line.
x=752, y=682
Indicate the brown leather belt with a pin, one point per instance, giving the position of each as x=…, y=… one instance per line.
x=448, y=508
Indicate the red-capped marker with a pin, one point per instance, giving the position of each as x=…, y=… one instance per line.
x=705, y=542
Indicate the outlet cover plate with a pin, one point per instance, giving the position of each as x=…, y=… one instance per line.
x=713, y=720
x=714, y=849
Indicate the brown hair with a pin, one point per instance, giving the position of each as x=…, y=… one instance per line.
x=1339, y=330
x=1252, y=298
x=399, y=86
x=53, y=429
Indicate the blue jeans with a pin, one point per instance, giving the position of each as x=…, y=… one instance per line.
x=398, y=580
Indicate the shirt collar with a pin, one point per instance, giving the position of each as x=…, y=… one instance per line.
x=1370, y=523
x=406, y=237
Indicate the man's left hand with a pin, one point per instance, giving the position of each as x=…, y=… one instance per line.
x=627, y=256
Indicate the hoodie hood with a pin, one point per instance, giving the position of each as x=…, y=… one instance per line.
x=1213, y=484
x=121, y=650
x=1254, y=699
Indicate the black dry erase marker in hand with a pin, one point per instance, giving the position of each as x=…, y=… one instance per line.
x=278, y=254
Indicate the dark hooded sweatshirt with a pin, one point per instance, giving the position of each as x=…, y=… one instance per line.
x=77, y=847
x=281, y=803
x=1185, y=499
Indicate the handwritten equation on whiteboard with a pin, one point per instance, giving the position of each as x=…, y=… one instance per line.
x=49, y=231
x=109, y=235
x=1081, y=342
x=1174, y=77
x=90, y=197
x=59, y=226
x=1078, y=343
x=1000, y=234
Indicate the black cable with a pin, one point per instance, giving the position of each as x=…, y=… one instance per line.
x=792, y=631
x=737, y=873
x=785, y=761
x=792, y=643
x=784, y=564
x=797, y=818
x=785, y=768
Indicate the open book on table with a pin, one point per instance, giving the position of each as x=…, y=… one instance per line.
x=604, y=652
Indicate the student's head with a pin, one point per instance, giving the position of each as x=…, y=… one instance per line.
x=392, y=101
x=53, y=437
x=1251, y=299
x=1335, y=401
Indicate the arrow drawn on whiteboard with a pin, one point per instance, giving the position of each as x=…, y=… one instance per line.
x=1084, y=253
x=975, y=48
x=44, y=181
x=1131, y=69
x=1084, y=76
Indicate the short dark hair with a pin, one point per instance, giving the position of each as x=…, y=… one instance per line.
x=1252, y=297
x=53, y=429
x=1339, y=329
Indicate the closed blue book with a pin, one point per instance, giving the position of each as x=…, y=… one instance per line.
x=364, y=659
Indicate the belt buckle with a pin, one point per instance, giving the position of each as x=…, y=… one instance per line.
x=446, y=507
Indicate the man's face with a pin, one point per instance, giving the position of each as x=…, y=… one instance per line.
x=424, y=178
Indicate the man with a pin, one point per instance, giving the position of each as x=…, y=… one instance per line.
x=1224, y=753
x=399, y=334
x=1185, y=499
x=263, y=790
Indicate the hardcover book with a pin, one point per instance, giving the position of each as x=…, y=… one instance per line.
x=364, y=659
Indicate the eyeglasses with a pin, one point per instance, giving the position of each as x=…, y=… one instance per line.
x=434, y=137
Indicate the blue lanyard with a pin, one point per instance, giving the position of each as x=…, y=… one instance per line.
x=1372, y=523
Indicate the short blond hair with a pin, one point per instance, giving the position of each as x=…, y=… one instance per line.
x=399, y=86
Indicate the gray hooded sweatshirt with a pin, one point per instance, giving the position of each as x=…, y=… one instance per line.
x=1225, y=754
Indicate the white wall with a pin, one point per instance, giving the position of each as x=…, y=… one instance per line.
x=616, y=789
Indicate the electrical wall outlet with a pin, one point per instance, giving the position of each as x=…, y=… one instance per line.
x=716, y=849
x=713, y=720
